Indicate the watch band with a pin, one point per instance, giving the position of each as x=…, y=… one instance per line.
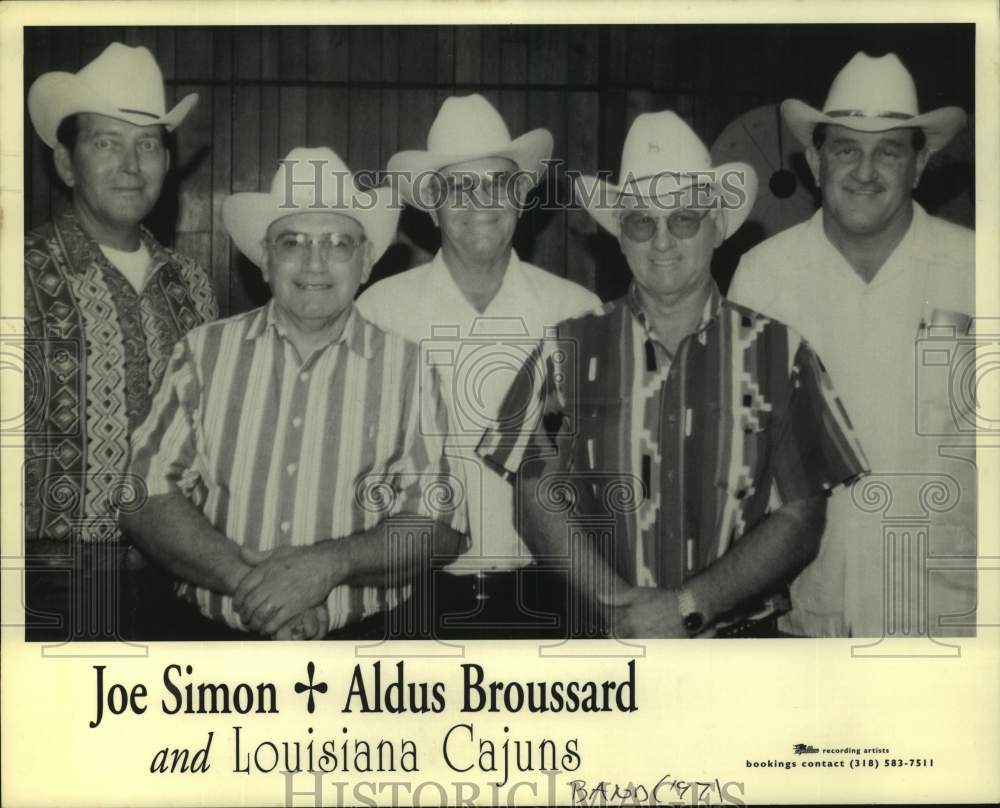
x=692, y=619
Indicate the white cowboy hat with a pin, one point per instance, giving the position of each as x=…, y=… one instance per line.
x=664, y=159
x=872, y=95
x=123, y=83
x=469, y=128
x=322, y=184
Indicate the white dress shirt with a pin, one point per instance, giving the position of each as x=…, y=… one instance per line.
x=478, y=355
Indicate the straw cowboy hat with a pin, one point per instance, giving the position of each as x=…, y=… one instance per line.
x=873, y=95
x=469, y=128
x=123, y=83
x=664, y=159
x=248, y=215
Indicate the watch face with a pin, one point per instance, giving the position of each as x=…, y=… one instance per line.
x=693, y=622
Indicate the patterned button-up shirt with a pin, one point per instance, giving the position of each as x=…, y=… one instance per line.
x=276, y=451
x=95, y=350
x=685, y=453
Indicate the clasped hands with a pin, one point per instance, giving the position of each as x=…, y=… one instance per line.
x=284, y=592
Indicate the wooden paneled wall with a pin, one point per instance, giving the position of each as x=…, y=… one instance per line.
x=370, y=91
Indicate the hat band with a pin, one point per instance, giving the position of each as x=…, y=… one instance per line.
x=152, y=115
x=639, y=187
x=860, y=113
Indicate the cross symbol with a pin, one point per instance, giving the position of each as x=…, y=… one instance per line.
x=319, y=687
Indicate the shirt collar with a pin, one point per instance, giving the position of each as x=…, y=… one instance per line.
x=909, y=244
x=443, y=275
x=357, y=333
x=914, y=239
x=88, y=251
x=709, y=312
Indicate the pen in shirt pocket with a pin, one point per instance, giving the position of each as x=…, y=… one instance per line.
x=944, y=324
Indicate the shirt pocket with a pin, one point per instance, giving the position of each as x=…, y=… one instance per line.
x=594, y=426
x=744, y=447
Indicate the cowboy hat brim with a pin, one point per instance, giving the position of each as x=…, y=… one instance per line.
x=408, y=168
x=939, y=125
x=247, y=216
x=56, y=96
x=603, y=199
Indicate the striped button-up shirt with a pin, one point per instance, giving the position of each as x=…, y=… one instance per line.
x=686, y=453
x=277, y=451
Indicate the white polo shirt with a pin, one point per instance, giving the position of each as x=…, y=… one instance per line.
x=879, y=342
x=478, y=355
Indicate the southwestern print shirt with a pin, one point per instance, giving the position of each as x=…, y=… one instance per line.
x=95, y=350
x=681, y=455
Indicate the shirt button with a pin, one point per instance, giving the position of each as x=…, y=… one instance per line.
x=297, y=422
x=286, y=526
x=304, y=376
x=291, y=469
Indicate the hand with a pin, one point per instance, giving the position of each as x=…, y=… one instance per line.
x=282, y=584
x=645, y=612
x=312, y=624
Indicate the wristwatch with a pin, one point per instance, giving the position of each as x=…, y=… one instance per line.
x=692, y=620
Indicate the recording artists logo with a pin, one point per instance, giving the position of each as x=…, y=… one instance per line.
x=805, y=749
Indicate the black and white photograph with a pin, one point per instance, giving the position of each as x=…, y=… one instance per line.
x=496, y=337
x=638, y=331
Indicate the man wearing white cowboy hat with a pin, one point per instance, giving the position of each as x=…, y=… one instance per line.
x=478, y=303
x=104, y=305
x=699, y=438
x=864, y=280
x=285, y=442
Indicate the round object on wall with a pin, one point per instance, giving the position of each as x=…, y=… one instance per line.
x=786, y=193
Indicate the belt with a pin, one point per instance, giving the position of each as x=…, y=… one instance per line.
x=485, y=584
x=758, y=628
x=55, y=554
x=760, y=620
